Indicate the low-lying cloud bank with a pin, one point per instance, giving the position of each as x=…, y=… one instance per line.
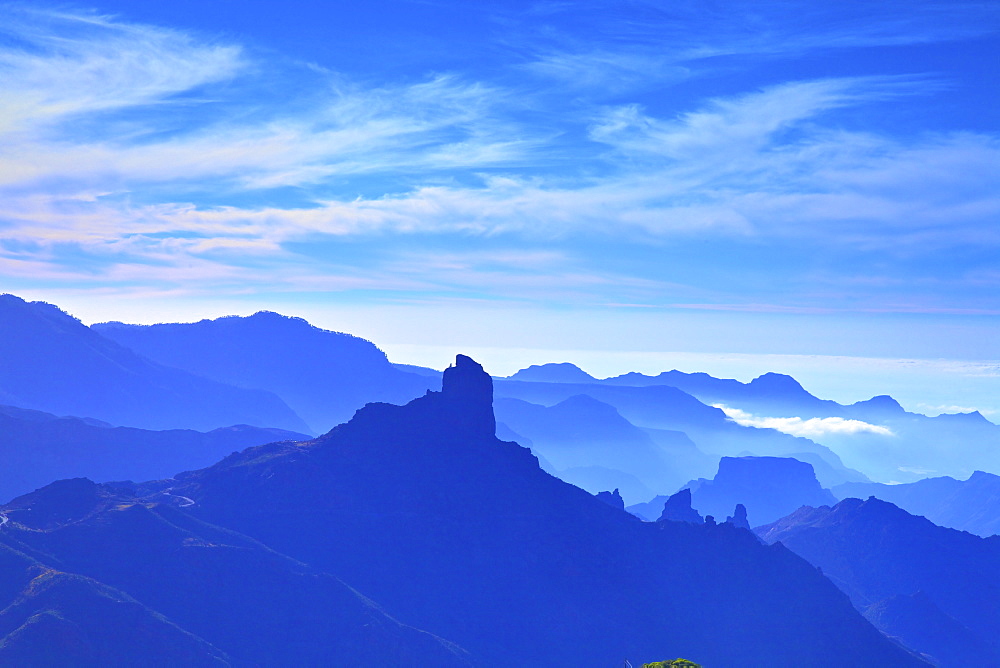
x=796, y=426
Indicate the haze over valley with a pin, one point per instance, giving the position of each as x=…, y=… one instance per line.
x=522, y=333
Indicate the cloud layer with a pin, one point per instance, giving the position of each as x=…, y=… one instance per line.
x=809, y=428
x=597, y=162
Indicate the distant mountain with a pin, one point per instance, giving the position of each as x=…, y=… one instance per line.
x=768, y=394
x=423, y=509
x=37, y=448
x=955, y=445
x=971, y=505
x=651, y=510
x=769, y=487
x=257, y=606
x=324, y=376
x=418, y=370
x=909, y=575
x=583, y=432
x=563, y=372
x=668, y=408
x=54, y=363
x=909, y=447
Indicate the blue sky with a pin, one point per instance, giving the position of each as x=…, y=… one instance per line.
x=712, y=177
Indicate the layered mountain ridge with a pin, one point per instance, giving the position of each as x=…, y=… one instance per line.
x=429, y=500
x=324, y=376
x=54, y=363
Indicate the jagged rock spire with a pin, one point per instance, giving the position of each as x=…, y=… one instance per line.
x=678, y=509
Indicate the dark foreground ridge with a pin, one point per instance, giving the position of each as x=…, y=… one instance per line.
x=936, y=589
x=449, y=529
x=74, y=554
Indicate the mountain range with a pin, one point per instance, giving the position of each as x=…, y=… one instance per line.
x=882, y=439
x=410, y=504
x=37, y=448
x=54, y=363
x=971, y=505
x=936, y=589
x=323, y=376
x=422, y=529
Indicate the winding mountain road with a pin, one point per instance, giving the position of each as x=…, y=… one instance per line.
x=184, y=500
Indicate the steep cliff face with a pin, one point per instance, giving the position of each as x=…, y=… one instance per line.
x=423, y=509
x=769, y=487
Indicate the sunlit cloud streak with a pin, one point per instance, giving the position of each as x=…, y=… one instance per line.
x=808, y=428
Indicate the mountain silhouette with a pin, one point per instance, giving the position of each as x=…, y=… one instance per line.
x=769, y=487
x=971, y=505
x=324, y=376
x=662, y=407
x=582, y=432
x=877, y=553
x=54, y=363
x=37, y=448
x=451, y=530
x=768, y=394
x=562, y=372
x=915, y=445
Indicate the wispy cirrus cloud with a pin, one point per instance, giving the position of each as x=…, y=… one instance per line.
x=95, y=184
x=59, y=64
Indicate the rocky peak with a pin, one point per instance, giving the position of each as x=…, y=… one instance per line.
x=739, y=517
x=678, y=509
x=776, y=383
x=468, y=389
x=466, y=377
x=613, y=499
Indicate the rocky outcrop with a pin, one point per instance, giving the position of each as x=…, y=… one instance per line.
x=739, y=517
x=613, y=499
x=678, y=509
